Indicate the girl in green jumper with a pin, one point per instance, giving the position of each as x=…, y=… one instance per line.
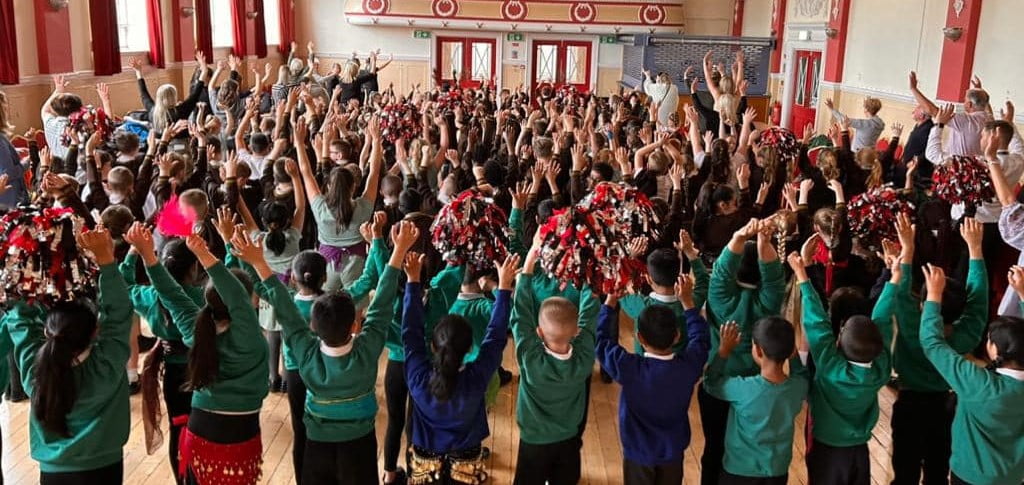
x=226, y=366
x=988, y=447
x=72, y=367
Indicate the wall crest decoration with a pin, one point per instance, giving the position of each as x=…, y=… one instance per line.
x=376, y=7
x=513, y=10
x=444, y=8
x=810, y=8
x=582, y=12
x=652, y=14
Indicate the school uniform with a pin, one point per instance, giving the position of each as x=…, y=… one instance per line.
x=477, y=308
x=988, y=446
x=223, y=430
x=552, y=395
x=446, y=435
x=634, y=304
x=99, y=421
x=844, y=395
x=343, y=246
x=759, y=433
x=922, y=415
x=656, y=392
x=340, y=402
x=729, y=301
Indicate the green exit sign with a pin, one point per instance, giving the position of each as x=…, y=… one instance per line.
x=515, y=37
x=609, y=39
x=421, y=34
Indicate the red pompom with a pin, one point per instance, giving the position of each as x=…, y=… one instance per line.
x=176, y=219
x=963, y=180
x=871, y=216
x=400, y=121
x=471, y=230
x=84, y=122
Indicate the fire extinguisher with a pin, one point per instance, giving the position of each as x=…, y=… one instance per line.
x=776, y=117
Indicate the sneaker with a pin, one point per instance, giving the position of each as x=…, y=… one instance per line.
x=485, y=452
x=504, y=376
x=400, y=478
x=17, y=397
x=605, y=377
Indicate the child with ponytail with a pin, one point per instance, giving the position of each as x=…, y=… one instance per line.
x=227, y=365
x=449, y=417
x=72, y=366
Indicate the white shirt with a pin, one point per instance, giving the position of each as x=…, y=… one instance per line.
x=1011, y=161
x=667, y=97
x=256, y=163
x=1012, y=373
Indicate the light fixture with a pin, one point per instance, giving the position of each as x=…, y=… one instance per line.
x=251, y=14
x=831, y=33
x=187, y=11
x=58, y=4
x=953, y=33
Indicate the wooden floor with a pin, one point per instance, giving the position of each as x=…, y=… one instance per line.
x=602, y=455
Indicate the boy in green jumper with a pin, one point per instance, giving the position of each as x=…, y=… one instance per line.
x=922, y=415
x=759, y=434
x=851, y=368
x=747, y=284
x=337, y=365
x=988, y=446
x=555, y=353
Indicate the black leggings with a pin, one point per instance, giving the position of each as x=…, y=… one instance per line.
x=178, y=403
x=714, y=415
x=297, y=406
x=109, y=474
x=396, y=393
x=274, y=342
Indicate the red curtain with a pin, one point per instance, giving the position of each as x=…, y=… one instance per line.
x=261, y=29
x=106, y=50
x=8, y=44
x=156, y=34
x=287, y=22
x=238, y=27
x=204, y=29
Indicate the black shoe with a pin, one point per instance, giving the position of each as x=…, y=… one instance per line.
x=275, y=384
x=504, y=376
x=19, y=397
x=134, y=387
x=605, y=377
x=485, y=452
x=400, y=478
x=145, y=343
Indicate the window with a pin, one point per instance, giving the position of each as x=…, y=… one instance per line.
x=272, y=19
x=220, y=17
x=132, y=26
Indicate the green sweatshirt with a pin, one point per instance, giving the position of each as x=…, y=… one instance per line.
x=988, y=429
x=633, y=305
x=241, y=382
x=552, y=391
x=476, y=309
x=759, y=432
x=844, y=397
x=100, y=418
x=147, y=305
x=915, y=371
x=340, y=400
x=728, y=301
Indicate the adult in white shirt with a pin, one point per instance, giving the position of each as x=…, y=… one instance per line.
x=664, y=94
x=55, y=114
x=964, y=128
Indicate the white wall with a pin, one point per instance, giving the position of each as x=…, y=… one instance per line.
x=757, y=18
x=997, y=58
x=887, y=39
x=324, y=23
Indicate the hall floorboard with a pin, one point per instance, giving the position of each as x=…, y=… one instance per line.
x=601, y=455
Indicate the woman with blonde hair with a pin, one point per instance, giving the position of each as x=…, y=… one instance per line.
x=727, y=91
x=351, y=81
x=166, y=109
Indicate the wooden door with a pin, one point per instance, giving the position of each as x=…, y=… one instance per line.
x=806, y=79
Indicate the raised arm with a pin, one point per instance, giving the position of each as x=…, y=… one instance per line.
x=922, y=100
x=376, y=161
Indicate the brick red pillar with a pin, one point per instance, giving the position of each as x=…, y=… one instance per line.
x=183, y=30
x=778, y=31
x=835, y=47
x=958, y=55
x=53, y=38
x=737, y=18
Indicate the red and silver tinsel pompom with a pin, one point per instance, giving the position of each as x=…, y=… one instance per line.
x=42, y=261
x=471, y=230
x=588, y=244
x=783, y=140
x=84, y=122
x=400, y=121
x=448, y=101
x=569, y=95
x=871, y=216
x=963, y=180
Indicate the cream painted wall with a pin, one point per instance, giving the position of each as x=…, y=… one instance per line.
x=757, y=18
x=997, y=57
x=882, y=49
x=708, y=17
x=323, y=22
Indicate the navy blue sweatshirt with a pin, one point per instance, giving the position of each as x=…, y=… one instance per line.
x=461, y=422
x=653, y=422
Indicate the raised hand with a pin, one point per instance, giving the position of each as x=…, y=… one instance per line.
x=935, y=282
x=141, y=239
x=507, y=271
x=729, y=338
x=413, y=266
x=247, y=249
x=99, y=243
x=796, y=262
x=225, y=223
x=684, y=291
x=637, y=247
x=971, y=231
x=945, y=114
x=1016, y=278
x=685, y=246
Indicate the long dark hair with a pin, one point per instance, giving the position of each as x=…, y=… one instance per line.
x=69, y=331
x=452, y=339
x=340, y=191
x=203, y=358
x=277, y=217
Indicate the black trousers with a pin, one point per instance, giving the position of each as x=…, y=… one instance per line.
x=714, y=414
x=553, y=463
x=346, y=462
x=109, y=474
x=730, y=479
x=297, y=408
x=636, y=474
x=838, y=465
x=922, y=437
x=396, y=393
x=274, y=361
x=178, y=403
